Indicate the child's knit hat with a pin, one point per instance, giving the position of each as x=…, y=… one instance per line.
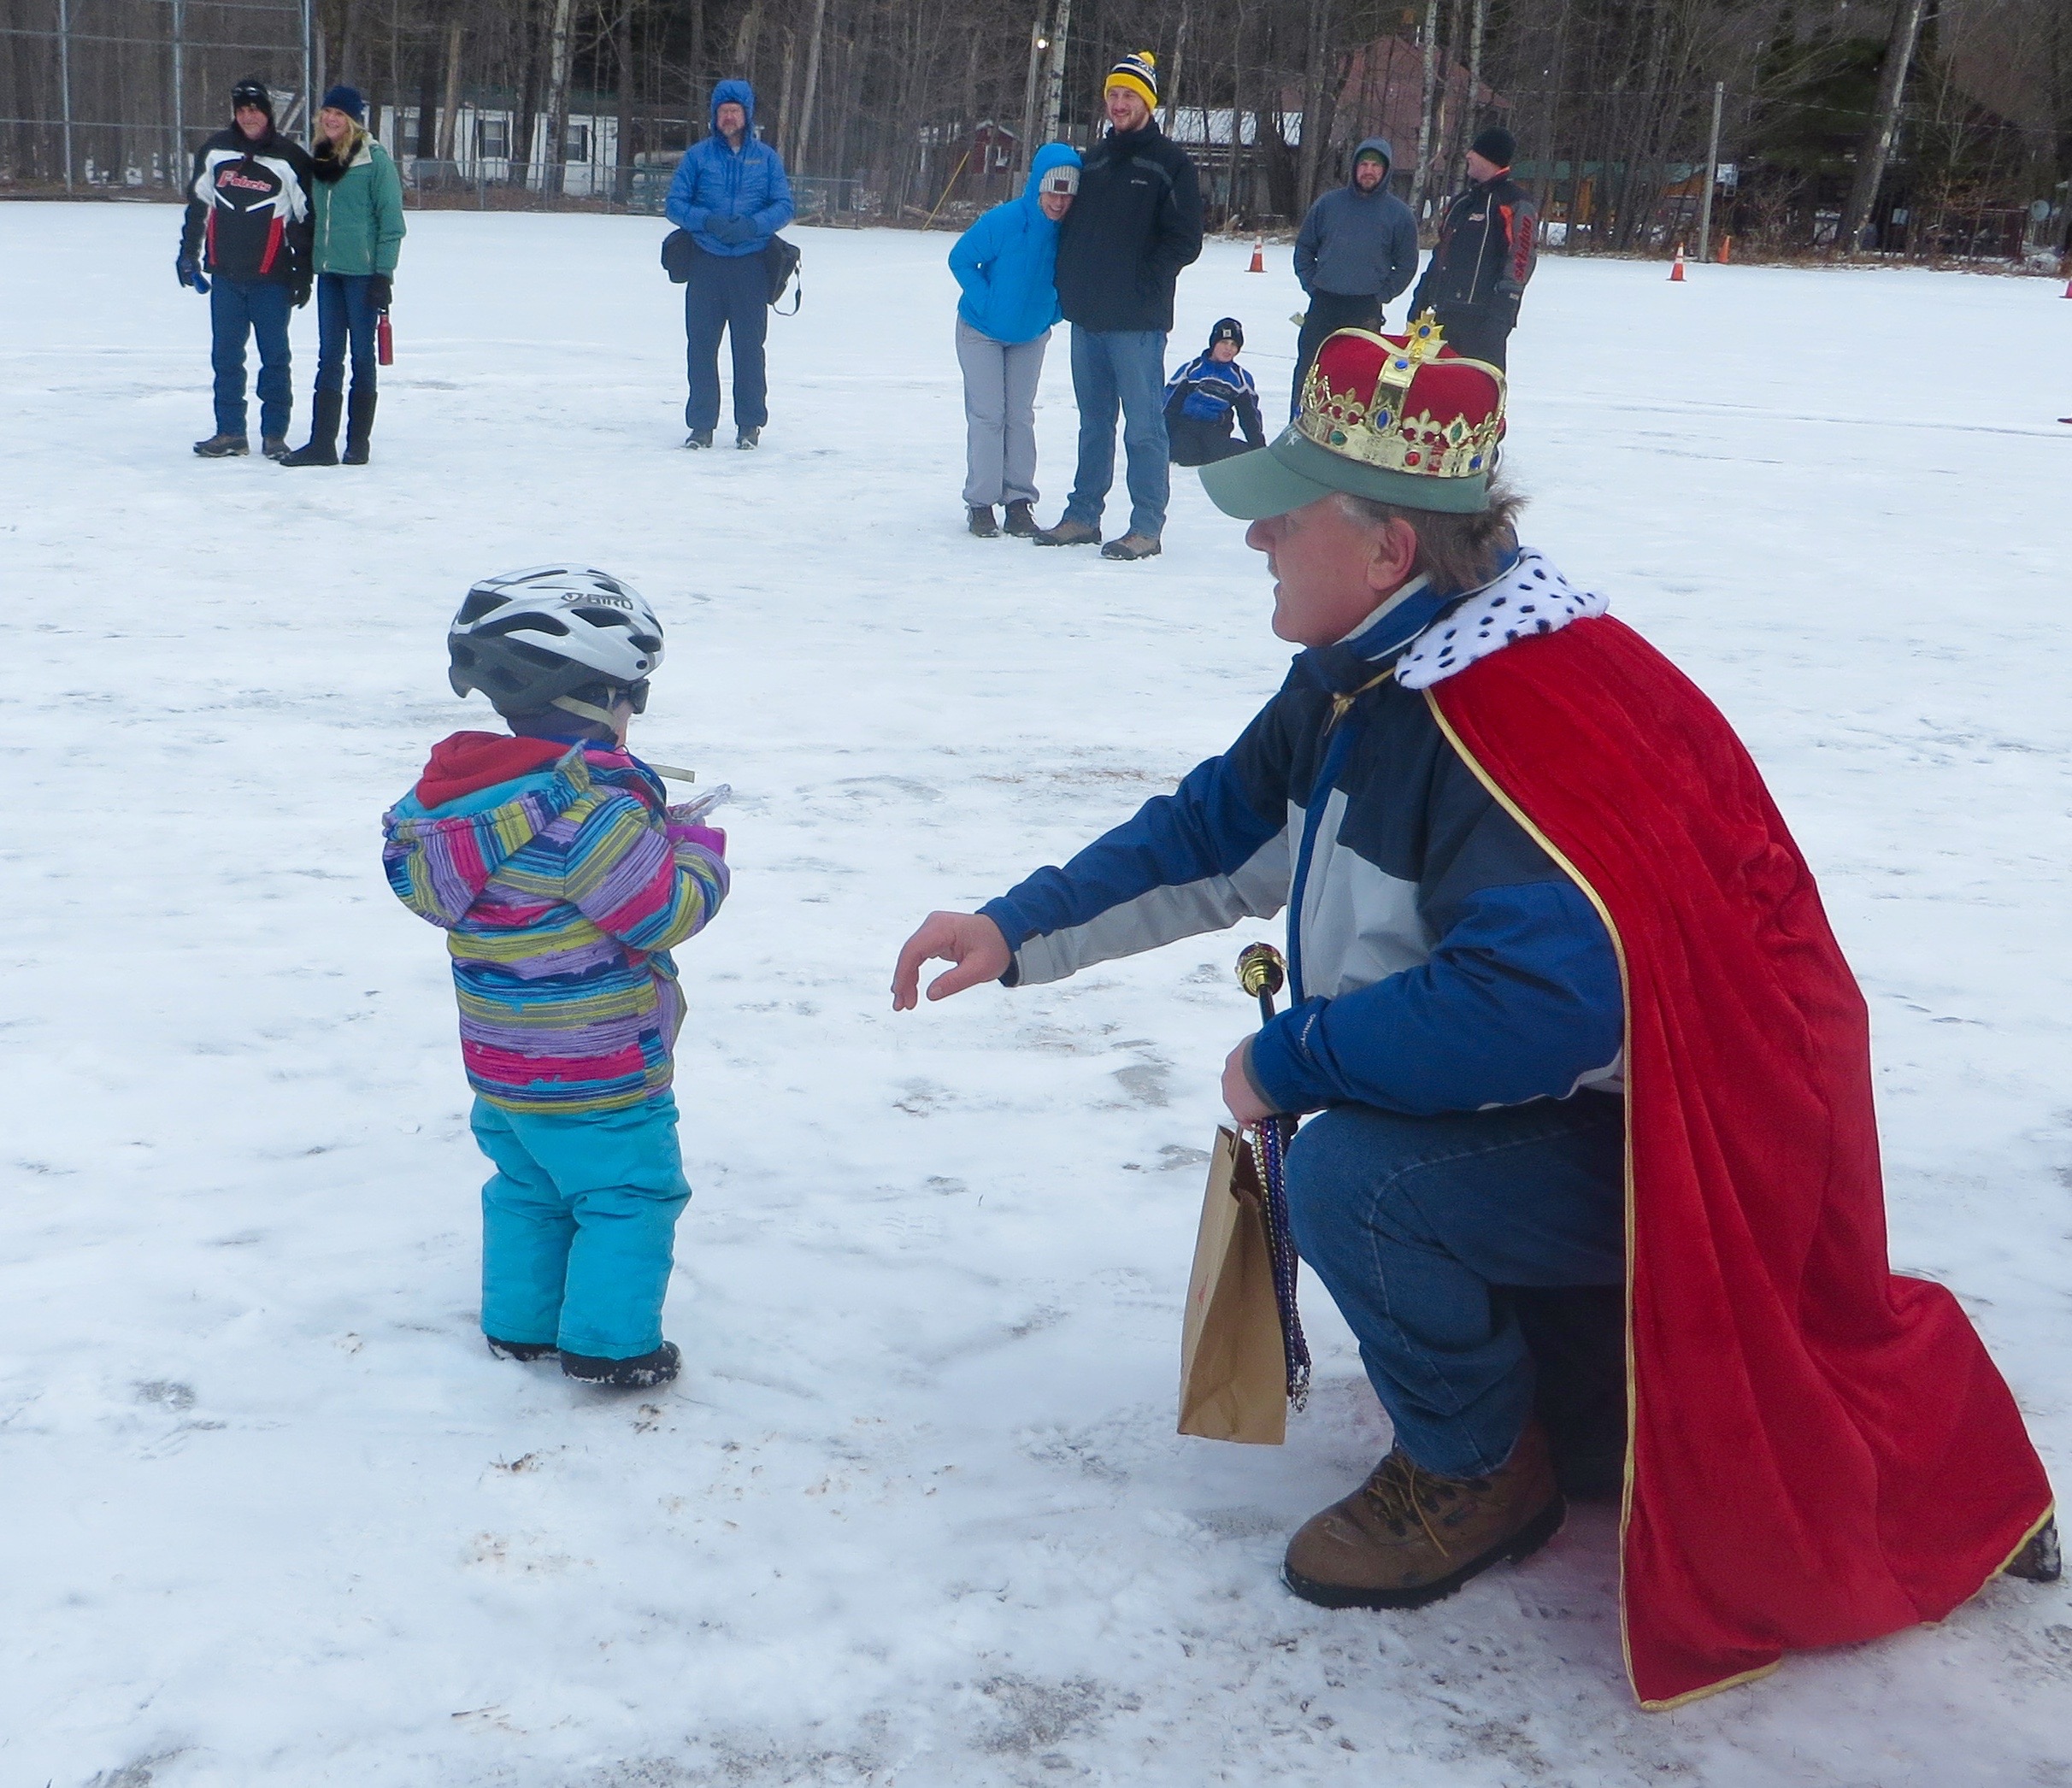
x=1228, y=329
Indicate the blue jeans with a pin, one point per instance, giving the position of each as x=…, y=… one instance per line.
x=1421, y=1226
x=1120, y=369
x=578, y=1226
x=731, y=294
x=239, y=309
x=346, y=314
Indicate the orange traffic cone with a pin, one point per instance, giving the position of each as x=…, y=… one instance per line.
x=1258, y=264
x=2068, y=288
x=1676, y=273
x=1725, y=248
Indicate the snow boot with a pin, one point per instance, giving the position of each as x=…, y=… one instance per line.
x=1407, y=1537
x=980, y=522
x=641, y=1372
x=1068, y=533
x=223, y=447
x=1132, y=546
x=359, y=425
x=509, y=1349
x=1020, y=521
x=323, y=446
x=698, y=437
x=2038, y=1561
x=274, y=447
x=745, y=438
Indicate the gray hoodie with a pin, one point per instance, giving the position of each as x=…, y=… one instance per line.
x=1358, y=244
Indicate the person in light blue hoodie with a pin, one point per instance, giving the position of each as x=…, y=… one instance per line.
x=1006, y=262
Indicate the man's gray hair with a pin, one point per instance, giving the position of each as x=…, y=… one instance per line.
x=1456, y=552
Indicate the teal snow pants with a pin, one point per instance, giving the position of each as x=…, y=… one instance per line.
x=578, y=1226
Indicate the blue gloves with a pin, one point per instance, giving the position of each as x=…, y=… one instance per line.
x=190, y=272
x=732, y=231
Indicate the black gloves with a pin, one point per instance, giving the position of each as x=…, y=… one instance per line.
x=301, y=290
x=732, y=231
x=381, y=287
x=190, y=272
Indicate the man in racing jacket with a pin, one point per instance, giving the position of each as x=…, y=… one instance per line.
x=1477, y=273
x=247, y=227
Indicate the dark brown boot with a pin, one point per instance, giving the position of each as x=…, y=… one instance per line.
x=1068, y=533
x=2038, y=1561
x=1406, y=1536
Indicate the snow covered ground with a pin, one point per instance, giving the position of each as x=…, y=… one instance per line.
x=914, y=1514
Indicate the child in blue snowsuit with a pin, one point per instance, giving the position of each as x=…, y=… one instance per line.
x=1205, y=396
x=548, y=857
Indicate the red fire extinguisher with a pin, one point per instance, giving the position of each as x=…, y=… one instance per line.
x=385, y=342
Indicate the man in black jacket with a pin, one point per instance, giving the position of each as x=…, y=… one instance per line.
x=1136, y=221
x=248, y=224
x=1477, y=273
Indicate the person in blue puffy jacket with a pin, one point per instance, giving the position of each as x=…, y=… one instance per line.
x=731, y=194
x=1006, y=262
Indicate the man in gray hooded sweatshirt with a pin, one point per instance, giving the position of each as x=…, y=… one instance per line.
x=1357, y=249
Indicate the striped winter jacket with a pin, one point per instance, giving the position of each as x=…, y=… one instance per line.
x=1438, y=959
x=546, y=865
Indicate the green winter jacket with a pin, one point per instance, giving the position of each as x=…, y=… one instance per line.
x=359, y=214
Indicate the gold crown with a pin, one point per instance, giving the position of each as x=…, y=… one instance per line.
x=1375, y=429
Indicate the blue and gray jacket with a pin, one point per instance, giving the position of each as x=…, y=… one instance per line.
x=1439, y=961
x=715, y=182
x=1007, y=261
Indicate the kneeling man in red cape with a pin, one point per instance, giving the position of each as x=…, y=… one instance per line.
x=1594, y=1178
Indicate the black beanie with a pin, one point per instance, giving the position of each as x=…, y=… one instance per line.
x=1229, y=329
x=250, y=91
x=1495, y=144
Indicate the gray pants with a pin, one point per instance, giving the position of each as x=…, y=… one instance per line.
x=999, y=416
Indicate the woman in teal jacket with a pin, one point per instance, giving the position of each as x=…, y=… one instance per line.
x=359, y=231
x=1005, y=263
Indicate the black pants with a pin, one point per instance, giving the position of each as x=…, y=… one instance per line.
x=1481, y=333
x=1196, y=442
x=726, y=293
x=1328, y=311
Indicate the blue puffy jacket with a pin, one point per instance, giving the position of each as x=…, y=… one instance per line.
x=1007, y=261
x=714, y=181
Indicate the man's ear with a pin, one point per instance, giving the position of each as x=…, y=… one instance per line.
x=1395, y=552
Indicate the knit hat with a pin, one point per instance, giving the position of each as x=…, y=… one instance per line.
x=1137, y=72
x=1399, y=419
x=1495, y=144
x=250, y=91
x=1228, y=329
x=345, y=99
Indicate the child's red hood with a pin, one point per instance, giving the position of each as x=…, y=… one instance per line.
x=471, y=760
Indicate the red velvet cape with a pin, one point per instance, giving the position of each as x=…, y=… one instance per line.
x=1819, y=1451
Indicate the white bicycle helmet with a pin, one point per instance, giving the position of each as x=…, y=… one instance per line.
x=532, y=639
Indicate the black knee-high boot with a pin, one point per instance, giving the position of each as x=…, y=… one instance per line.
x=323, y=446
x=359, y=425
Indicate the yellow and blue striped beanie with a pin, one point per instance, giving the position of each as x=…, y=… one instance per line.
x=1139, y=74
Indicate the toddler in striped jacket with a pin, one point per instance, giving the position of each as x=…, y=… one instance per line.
x=562, y=881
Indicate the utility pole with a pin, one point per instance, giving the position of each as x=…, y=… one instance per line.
x=1038, y=44
x=1712, y=176
x=309, y=96
x=1054, y=87
x=179, y=90
x=64, y=80
x=1884, y=128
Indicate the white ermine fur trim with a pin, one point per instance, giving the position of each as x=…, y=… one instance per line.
x=1532, y=597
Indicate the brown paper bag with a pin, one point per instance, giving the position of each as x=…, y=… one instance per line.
x=1233, y=1379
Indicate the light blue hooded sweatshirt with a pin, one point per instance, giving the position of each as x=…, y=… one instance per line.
x=1007, y=261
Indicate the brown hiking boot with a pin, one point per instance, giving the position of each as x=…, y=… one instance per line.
x=1406, y=1536
x=1068, y=533
x=1132, y=546
x=2038, y=1561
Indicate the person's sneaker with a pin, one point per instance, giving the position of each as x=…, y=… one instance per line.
x=641, y=1372
x=518, y=1349
x=223, y=447
x=1067, y=534
x=2039, y=1561
x=1020, y=521
x=980, y=522
x=698, y=437
x=1132, y=546
x=1406, y=1536
x=274, y=447
x=744, y=439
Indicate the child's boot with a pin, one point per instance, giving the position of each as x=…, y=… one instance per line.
x=643, y=1372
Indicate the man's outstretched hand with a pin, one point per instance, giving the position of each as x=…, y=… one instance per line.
x=969, y=940
x=1239, y=1097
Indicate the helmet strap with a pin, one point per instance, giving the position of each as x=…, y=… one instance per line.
x=588, y=711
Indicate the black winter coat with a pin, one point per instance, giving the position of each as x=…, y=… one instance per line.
x=1485, y=254
x=1137, y=220
x=249, y=204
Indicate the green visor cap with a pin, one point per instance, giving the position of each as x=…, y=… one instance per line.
x=1293, y=470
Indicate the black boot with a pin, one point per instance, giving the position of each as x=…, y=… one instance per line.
x=323, y=446
x=519, y=1350
x=359, y=425
x=643, y=1372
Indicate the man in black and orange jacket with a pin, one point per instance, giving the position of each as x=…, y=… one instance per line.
x=1487, y=242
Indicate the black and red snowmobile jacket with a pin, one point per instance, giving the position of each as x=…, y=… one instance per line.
x=249, y=204
x=1486, y=245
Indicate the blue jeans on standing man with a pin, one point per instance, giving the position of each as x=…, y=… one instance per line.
x=239, y=309
x=345, y=317
x=1120, y=369
x=1440, y=1239
x=730, y=293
